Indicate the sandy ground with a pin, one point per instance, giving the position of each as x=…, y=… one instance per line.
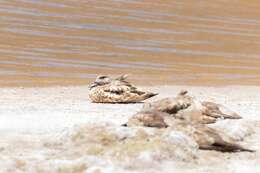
x=33, y=119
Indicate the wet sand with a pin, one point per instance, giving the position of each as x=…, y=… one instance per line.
x=45, y=130
x=170, y=42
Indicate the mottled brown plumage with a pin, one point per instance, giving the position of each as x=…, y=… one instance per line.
x=218, y=111
x=207, y=138
x=118, y=90
x=148, y=119
x=170, y=105
x=190, y=109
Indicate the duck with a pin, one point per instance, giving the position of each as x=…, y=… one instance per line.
x=218, y=111
x=116, y=90
x=207, y=138
x=189, y=108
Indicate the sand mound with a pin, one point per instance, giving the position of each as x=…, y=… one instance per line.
x=89, y=147
x=123, y=143
x=109, y=147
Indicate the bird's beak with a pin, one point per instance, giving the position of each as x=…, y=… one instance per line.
x=94, y=84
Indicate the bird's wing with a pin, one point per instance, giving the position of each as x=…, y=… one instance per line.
x=148, y=119
x=209, y=139
x=122, y=82
x=119, y=87
x=171, y=105
x=228, y=113
x=116, y=89
x=125, y=91
x=219, y=111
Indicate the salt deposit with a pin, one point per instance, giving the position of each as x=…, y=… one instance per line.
x=57, y=130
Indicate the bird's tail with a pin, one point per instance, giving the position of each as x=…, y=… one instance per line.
x=236, y=147
x=149, y=95
x=227, y=147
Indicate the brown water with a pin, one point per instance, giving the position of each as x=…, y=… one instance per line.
x=50, y=42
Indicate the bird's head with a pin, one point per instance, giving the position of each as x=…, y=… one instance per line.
x=100, y=80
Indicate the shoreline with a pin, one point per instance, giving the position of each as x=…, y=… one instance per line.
x=74, y=83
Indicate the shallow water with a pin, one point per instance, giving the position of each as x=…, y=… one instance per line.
x=56, y=42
